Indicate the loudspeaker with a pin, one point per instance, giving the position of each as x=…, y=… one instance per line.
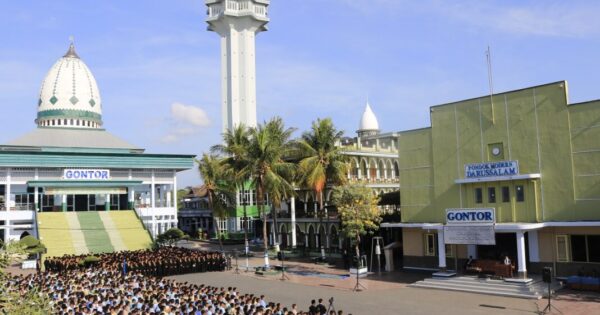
x=547, y=274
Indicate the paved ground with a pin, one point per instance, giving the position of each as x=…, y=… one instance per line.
x=400, y=300
x=387, y=294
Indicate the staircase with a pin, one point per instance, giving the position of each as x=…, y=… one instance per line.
x=68, y=233
x=532, y=290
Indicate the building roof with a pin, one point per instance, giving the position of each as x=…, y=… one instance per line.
x=368, y=120
x=71, y=138
x=69, y=91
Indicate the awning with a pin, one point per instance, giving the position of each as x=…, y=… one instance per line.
x=496, y=178
x=83, y=183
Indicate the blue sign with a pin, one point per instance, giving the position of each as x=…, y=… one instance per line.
x=469, y=216
x=492, y=169
x=86, y=174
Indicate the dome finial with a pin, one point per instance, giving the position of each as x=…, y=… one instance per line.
x=71, y=52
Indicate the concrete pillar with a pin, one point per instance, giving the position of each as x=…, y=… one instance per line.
x=175, y=201
x=107, y=202
x=7, y=191
x=534, y=250
x=472, y=251
x=152, y=192
x=521, y=254
x=64, y=202
x=131, y=198
x=36, y=198
x=293, y=220
x=441, y=250
x=306, y=240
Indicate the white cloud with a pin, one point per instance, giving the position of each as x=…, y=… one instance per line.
x=190, y=114
x=185, y=120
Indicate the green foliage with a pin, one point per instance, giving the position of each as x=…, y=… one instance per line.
x=32, y=245
x=30, y=302
x=358, y=210
x=170, y=237
x=321, y=161
x=89, y=261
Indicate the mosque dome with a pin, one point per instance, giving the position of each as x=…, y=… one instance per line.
x=368, y=121
x=69, y=97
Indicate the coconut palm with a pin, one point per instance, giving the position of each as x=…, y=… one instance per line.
x=321, y=161
x=218, y=188
x=234, y=148
x=267, y=169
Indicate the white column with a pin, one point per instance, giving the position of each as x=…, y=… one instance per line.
x=293, y=220
x=161, y=195
x=521, y=254
x=441, y=250
x=534, y=250
x=36, y=198
x=306, y=240
x=152, y=192
x=175, y=190
x=472, y=251
x=7, y=191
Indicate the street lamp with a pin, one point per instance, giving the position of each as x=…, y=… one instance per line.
x=245, y=223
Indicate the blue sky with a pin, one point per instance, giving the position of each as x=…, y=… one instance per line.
x=158, y=68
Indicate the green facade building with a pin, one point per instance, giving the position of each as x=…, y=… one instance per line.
x=530, y=156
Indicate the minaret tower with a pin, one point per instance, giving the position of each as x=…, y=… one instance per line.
x=238, y=22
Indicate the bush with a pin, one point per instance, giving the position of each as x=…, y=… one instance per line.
x=32, y=245
x=89, y=261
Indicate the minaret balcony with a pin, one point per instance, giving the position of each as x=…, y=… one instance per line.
x=255, y=8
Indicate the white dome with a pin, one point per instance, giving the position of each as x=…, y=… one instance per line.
x=368, y=120
x=69, y=96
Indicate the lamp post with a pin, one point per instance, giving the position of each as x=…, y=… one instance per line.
x=245, y=223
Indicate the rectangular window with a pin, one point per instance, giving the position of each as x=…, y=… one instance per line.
x=593, y=244
x=492, y=194
x=578, y=248
x=562, y=248
x=478, y=195
x=520, y=193
x=449, y=250
x=505, y=194
x=429, y=244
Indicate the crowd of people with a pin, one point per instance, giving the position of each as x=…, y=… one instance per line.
x=96, y=291
x=132, y=283
x=164, y=261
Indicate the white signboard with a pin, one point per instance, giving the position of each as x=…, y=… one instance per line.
x=470, y=216
x=470, y=235
x=492, y=169
x=86, y=174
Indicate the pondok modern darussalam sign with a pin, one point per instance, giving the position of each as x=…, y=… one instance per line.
x=492, y=169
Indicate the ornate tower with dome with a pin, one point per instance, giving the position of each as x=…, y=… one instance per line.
x=368, y=123
x=69, y=96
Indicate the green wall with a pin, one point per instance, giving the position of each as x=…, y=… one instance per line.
x=534, y=126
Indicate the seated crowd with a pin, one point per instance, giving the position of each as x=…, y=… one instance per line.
x=164, y=261
x=105, y=288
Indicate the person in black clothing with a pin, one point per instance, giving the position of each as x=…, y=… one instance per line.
x=313, y=309
x=321, y=308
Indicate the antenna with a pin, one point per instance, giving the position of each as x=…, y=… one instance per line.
x=488, y=55
x=72, y=39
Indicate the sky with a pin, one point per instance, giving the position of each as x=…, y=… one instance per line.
x=158, y=68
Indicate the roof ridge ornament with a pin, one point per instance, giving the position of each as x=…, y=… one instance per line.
x=71, y=52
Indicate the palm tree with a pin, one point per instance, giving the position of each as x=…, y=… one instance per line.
x=234, y=148
x=266, y=167
x=218, y=189
x=321, y=161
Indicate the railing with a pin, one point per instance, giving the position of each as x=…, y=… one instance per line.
x=237, y=7
x=354, y=179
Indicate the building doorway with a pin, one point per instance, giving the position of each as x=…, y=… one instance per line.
x=81, y=203
x=506, y=245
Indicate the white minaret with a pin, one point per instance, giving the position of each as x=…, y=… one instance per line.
x=238, y=22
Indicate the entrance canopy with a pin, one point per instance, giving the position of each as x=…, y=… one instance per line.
x=77, y=187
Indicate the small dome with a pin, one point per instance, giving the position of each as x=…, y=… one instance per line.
x=368, y=122
x=69, y=97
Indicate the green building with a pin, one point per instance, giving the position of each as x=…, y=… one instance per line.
x=528, y=157
x=76, y=186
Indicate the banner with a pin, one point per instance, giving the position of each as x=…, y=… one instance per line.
x=470, y=235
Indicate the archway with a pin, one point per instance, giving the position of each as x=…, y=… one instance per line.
x=311, y=237
x=24, y=234
x=322, y=237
